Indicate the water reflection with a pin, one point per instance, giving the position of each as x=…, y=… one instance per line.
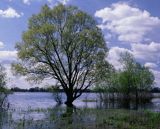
x=104, y=101
x=39, y=110
x=19, y=101
x=3, y=100
x=3, y=110
x=57, y=118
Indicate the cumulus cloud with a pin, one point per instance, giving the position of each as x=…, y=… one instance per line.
x=7, y=57
x=1, y=44
x=147, y=52
x=28, y=2
x=114, y=56
x=20, y=81
x=157, y=77
x=10, y=13
x=15, y=81
x=151, y=65
x=63, y=1
x=130, y=24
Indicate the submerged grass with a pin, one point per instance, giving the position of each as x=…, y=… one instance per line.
x=68, y=118
x=112, y=119
x=125, y=119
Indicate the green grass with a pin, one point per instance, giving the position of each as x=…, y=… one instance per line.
x=111, y=119
x=125, y=119
x=67, y=118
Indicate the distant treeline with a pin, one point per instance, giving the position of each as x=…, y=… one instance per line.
x=155, y=90
x=37, y=89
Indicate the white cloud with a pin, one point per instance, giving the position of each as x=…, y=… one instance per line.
x=15, y=81
x=130, y=24
x=8, y=56
x=21, y=82
x=114, y=56
x=63, y=1
x=28, y=2
x=157, y=77
x=1, y=44
x=10, y=13
x=147, y=52
x=151, y=65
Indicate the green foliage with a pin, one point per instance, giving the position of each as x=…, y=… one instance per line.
x=62, y=43
x=134, y=77
x=2, y=78
x=104, y=77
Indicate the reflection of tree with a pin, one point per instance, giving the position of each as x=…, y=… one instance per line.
x=3, y=97
x=118, y=101
x=1, y=121
x=3, y=118
x=64, y=117
x=4, y=104
x=3, y=109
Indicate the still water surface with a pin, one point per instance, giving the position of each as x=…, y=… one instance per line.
x=40, y=111
x=25, y=100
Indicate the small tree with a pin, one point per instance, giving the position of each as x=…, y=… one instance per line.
x=134, y=77
x=145, y=78
x=2, y=78
x=62, y=43
x=2, y=86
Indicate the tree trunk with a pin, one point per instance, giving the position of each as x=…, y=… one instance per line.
x=137, y=99
x=70, y=99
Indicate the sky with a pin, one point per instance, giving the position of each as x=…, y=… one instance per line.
x=127, y=25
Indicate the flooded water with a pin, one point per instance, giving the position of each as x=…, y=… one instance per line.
x=24, y=107
x=25, y=100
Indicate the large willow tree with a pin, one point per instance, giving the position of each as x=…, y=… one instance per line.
x=63, y=43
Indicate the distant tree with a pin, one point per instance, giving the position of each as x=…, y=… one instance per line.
x=57, y=94
x=65, y=44
x=2, y=78
x=155, y=90
x=145, y=78
x=2, y=86
x=134, y=77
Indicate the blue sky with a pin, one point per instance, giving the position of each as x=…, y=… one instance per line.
x=128, y=25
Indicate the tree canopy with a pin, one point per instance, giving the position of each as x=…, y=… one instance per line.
x=132, y=78
x=134, y=75
x=62, y=43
